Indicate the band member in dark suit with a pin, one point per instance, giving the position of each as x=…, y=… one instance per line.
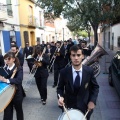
x=28, y=50
x=41, y=75
x=35, y=48
x=66, y=57
x=77, y=85
x=14, y=49
x=59, y=61
x=12, y=63
x=43, y=44
x=49, y=52
x=86, y=50
x=1, y=61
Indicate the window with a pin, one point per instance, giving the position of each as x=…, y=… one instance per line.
x=30, y=15
x=12, y=36
x=9, y=8
x=118, y=41
x=40, y=16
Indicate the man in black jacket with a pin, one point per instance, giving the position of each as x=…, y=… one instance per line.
x=28, y=51
x=77, y=85
x=15, y=49
x=19, y=55
x=58, y=61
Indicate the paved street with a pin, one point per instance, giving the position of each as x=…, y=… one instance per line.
x=108, y=104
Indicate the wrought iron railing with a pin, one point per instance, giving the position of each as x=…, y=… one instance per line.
x=32, y=21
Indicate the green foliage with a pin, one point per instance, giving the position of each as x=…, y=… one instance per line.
x=82, y=33
x=82, y=14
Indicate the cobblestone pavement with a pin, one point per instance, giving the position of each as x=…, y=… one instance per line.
x=107, y=108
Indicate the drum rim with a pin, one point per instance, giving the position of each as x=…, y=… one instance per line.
x=72, y=109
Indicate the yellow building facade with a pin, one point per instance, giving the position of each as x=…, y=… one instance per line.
x=27, y=22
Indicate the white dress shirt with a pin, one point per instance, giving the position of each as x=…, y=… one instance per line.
x=10, y=68
x=75, y=74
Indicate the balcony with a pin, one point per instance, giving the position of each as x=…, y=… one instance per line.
x=32, y=21
x=3, y=12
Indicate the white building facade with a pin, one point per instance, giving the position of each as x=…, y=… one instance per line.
x=110, y=37
x=9, y=24
x=39, y=15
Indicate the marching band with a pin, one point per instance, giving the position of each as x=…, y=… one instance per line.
x=44, y=59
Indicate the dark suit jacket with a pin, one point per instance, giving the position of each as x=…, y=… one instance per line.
x=21, y=58
x=42, y=70
x=17, y=81
x=88, y=90
x=1, y=61
x=60, y=59
x=28, y=51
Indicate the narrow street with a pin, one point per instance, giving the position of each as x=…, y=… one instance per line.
x=108, y=104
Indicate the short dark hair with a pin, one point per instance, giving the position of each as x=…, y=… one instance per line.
x=15, y=46
x=58, y=42
x=84, y=42
x=14, y=42
x=39, y=50
x=75, y=48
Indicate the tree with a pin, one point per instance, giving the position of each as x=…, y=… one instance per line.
x=83, y=12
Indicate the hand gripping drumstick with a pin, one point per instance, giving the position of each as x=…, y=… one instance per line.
x=64, y=108
x=85, y=114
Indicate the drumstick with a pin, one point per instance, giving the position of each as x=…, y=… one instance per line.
x=65, y=109
x=85, y=115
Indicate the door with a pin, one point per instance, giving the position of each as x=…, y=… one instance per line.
x=112, y=41
x=32, y=37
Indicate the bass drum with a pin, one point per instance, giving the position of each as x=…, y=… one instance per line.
x=7, y=92
x=74, y=114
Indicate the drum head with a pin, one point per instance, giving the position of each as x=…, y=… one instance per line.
x=6, y=97
x=73, y=114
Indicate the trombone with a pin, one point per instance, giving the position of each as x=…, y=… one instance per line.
x=55, y=54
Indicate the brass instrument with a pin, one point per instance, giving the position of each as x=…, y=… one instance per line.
x=56, y=53
x=34, y=69
x=38, y=63
x=18, y=51
x=92, y=60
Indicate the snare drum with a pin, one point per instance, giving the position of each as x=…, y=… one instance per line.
x=7, y=92
x=74, y=114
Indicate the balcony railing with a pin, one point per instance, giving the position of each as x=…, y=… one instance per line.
x=32, y=21
x=3, y=12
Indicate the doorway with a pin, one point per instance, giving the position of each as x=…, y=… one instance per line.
x=32, y=38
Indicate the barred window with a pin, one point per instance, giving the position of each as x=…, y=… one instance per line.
x=9, y=8
x=119, y=41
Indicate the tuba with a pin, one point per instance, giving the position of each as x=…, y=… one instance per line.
x=92, y=60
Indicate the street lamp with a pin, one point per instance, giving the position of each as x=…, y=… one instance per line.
x=63, y=34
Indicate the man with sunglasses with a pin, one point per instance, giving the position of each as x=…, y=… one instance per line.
x=77, y=87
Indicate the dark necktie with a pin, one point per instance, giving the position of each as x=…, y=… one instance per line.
x=77, y=82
